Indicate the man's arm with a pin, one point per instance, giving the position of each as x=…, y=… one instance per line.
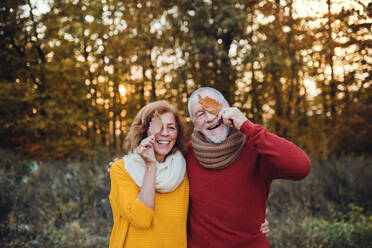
x=287, y=160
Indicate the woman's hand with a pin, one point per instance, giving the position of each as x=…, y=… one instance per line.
x=146, y=150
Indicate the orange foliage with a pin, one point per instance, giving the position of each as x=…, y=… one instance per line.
x=210, y=105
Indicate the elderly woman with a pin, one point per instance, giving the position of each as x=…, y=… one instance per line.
x=149, y=186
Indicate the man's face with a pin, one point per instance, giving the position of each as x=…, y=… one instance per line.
x=206, y=123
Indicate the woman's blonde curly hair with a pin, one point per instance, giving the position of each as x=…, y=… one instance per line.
x=140, y=124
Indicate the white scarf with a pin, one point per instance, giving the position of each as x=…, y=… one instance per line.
x=169, y=174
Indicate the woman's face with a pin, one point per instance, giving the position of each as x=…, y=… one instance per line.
x=167, y=136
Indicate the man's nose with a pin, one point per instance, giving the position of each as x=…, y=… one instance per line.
x=210, y=117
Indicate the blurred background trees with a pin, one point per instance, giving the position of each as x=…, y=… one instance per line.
x=73, y=74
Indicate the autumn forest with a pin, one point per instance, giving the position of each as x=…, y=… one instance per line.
x=74, y=73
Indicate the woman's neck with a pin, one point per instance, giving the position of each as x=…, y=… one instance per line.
x=160, y=158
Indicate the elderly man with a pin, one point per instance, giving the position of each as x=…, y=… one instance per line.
x=231, y=164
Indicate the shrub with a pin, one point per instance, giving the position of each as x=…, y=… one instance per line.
x=353, y=231
x=334, y=197
x=65, y=204
x=61, y=204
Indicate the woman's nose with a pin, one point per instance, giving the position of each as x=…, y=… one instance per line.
x=164, y=131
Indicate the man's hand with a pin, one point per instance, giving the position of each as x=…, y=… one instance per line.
x=265, y=229
x=232, y=117
x=110, y=165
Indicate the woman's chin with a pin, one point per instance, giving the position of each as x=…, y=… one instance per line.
x=163, y=151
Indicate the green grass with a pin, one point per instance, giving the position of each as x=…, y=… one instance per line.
x=65, y=204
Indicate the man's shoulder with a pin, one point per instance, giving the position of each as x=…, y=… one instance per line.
x=189, y=146
x=189, y=149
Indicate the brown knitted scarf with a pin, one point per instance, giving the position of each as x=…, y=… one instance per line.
x=217, y=156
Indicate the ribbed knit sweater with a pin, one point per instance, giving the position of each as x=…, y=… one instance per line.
x=227, y=206
x=136, y=225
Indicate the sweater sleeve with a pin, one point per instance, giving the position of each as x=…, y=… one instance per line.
x=284, y=159
x=124, y=194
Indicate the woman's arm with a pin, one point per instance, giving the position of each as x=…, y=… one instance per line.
x=146, y=151
x=147, y=193
x=124, y=197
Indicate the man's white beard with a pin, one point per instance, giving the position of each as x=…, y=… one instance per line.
x=217, y=140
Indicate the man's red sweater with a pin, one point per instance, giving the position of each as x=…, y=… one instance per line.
x=227, y=206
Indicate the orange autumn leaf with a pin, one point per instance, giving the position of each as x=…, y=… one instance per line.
x=155, y=124
x=211, y=105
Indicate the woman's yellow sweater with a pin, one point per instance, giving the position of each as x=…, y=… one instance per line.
x=136, y=225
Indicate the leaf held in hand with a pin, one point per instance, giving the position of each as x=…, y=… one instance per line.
x=155, y=124
x=210, y=105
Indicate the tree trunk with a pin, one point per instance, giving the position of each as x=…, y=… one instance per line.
x=333, y=84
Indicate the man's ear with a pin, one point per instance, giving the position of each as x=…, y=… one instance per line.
x=197, y=129
x=195, y=126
